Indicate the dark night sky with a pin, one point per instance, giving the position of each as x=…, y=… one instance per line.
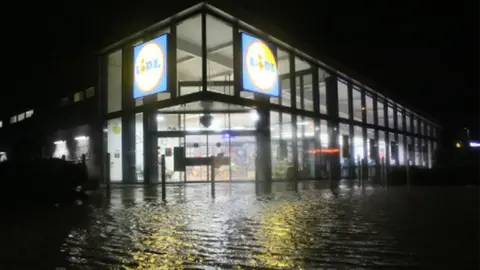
x=427, y=54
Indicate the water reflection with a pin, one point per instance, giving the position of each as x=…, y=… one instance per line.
x=347, y=227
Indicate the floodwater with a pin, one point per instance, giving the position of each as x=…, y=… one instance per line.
x=311, y=228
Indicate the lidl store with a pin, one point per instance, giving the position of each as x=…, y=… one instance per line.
x=203, y=83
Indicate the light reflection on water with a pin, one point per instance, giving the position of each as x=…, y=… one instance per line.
x=310, y=229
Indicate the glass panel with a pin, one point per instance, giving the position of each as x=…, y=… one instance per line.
x=343, y=108
x=244, y=121
x=114, y=81
x=417, y=152
x=415, y=125
x=370, y=144
x=401, y=150
x=299, y=66
x=305, y=141
x=218, y=146
x=422, y=128
x=381, y=146
x=358, y=144
x=345, y=143
x=307, y=93
x=399, y=119
x=407, y=122
x=189, y=55
x=393, y=149
x=322, y=88
x=243, y=152
x=369, y=107
x=139, y=147
x=357, y=104
x=278, y=170
x=380, y=112
x=168, y=122
x=114, y=148
x=391, y=118
x=196, y=146
x=219, y=56
x=284, y=74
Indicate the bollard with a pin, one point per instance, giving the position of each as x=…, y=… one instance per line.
x=162, y=162
x=107, y=171
x=212, y=173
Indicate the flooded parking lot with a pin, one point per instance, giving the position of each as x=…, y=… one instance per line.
x=314, y=228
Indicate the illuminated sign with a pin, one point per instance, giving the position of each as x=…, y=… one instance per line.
x=150, y=67
x=259, y=66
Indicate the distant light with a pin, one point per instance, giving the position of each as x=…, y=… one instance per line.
x=474, y=144
x=81, y=138
x=363, y=108
x=58, y=142
x=458, y=145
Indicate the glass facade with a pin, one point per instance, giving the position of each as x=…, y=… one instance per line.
x=320, y=126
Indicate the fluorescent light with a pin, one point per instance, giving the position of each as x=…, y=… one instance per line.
x=474, y=144
x=58, y=142
x=81, y=138
x=160, y=118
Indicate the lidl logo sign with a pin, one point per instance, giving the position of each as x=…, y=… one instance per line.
x=150, y=67
x=260, y=73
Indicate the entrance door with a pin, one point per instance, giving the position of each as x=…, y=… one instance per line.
x=240, y=147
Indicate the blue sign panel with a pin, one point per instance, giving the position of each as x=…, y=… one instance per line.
x=259, y=66
x=150, y=67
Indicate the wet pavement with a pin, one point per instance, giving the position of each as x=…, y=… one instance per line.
x=312, y=228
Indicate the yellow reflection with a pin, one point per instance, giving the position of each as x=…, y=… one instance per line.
x=277, y=235
x=162, y=247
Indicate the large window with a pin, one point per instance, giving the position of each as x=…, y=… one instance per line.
x=189, y=55
x=380, y=112
x=114, y=148
x=281, y=144
x=408, y=124
x=322, y=88
x=400, y=119
x=305, y=142
x=139, y=166
x=219, y=56
x=369, y=108
x=357, y=104
x=303, y=82
x=284, y=76
x=391, y=117
x=343, y=108
x=358, y=144
x=114, y=81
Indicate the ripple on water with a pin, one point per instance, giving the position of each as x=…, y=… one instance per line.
x=311, y=229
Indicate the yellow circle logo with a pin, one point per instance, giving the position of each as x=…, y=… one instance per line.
x=261, y=65
x=149, y=67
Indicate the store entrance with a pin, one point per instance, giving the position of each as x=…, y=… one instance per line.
x=238, y=146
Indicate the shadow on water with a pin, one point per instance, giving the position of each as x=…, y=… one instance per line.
x=303, y=225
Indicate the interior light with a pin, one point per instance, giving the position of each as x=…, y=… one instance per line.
x=160, y=118
x=81, y=138
x=58, y=142
x=254, y=115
